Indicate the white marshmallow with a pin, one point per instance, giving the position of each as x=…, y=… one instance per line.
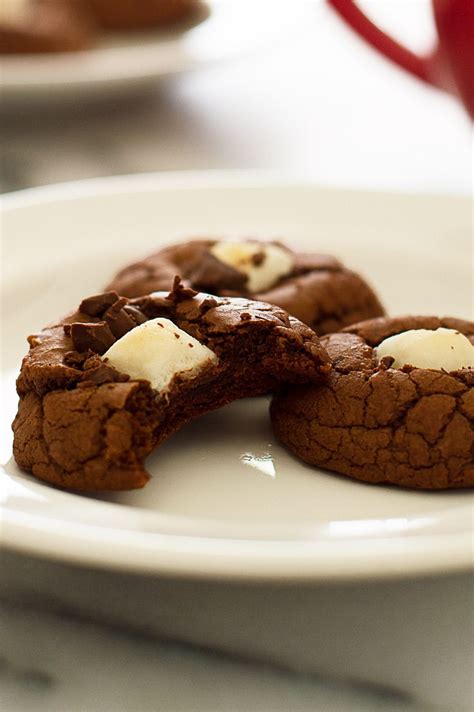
x=13, y=11
x=157, y=351
x=276, y=263
x=442, y=348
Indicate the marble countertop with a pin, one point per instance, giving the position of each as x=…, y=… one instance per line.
x=75, y=640
x=83, y=640
x=55, y=662
x=93, y=667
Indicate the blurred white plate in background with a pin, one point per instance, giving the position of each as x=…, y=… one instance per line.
x=121, y=62
x=225, y=499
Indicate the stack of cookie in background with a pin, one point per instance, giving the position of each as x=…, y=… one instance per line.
x=42, y=26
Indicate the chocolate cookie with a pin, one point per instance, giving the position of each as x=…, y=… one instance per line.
x=103, y=387
x=132, y=15
x=34, y=26
x=317, y=289
x=398, y=406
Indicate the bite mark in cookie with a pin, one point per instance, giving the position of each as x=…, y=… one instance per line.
x=100, y=389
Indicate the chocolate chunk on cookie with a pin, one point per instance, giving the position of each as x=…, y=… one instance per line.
x=316, y=289
x=106, y=385
x=398, y=406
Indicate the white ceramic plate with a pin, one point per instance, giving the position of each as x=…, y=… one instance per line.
x=225, y=499
x=118, y=62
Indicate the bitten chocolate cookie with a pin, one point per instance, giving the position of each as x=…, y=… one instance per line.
x=106, y=385
x=316, y=289
x=398, y=406
x=34, y=26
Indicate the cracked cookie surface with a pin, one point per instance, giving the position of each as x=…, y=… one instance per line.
x=82, y=424
x=319, y=290
x=412, y=427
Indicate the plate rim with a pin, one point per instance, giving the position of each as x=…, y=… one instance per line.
x=187, y=179
x=206, y=557
x=251, y=560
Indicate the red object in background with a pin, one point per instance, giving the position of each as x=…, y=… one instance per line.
x=451, y=64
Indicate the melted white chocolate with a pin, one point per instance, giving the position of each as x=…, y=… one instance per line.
x=276, y=262
x=157, y=351
x=441, y=348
